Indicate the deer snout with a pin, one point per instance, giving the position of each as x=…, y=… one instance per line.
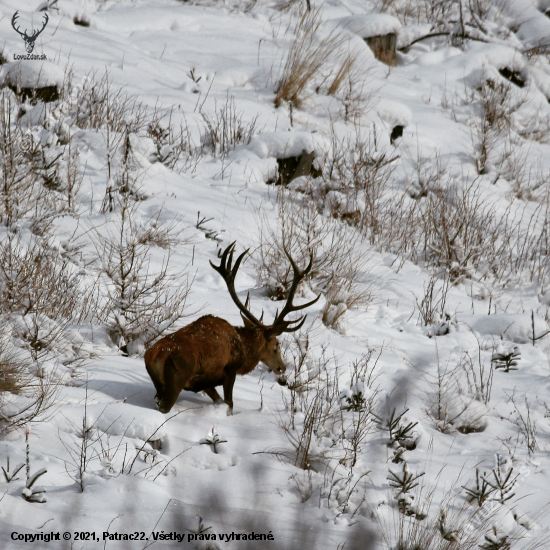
x=279, y=369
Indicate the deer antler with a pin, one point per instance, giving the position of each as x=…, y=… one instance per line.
x=228, y=273
x=36, y=33
x=279, y=324
x=13, y=21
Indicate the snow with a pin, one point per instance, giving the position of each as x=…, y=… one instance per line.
x=283, y=145
x=534, y=26
x=515, y=328
x=394, y=112
x=112, y=418
x=32, y=74
x=144, y=471
x=372, y=24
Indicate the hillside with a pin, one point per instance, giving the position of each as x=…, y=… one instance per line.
x=140, y=138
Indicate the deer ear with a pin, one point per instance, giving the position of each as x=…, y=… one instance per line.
x=247, y=322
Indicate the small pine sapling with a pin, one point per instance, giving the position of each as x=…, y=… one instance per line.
x=398, y=455
x=503, y=484
x=359, y=396
x=213, y=439
x=191, y=74
x=404, y=482
x=354, y=399
x=31, y=494
x=10, y=476
x=161, y=136
x=201, y=528
x=494, y=541
x=400, y=434
x=481, y=492
x=505, y=358
x=447, y=532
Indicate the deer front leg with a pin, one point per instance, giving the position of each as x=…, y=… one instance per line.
x=228, y=384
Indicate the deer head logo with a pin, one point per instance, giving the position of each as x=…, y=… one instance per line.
x=29, y=40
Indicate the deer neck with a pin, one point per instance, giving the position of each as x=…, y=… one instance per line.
x=253, y=341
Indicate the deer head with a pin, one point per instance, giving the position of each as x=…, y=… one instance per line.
x=269, y=352
x=29, y=40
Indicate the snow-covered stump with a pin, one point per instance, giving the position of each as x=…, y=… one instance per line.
x=33, y=80
x=384, y=48
x=291, y=168
x=395, y=116
x=156, y=444
x=297, y=153
x=379, y=31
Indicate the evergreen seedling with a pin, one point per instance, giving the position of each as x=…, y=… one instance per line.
x=495, y=542
x=354, y=402
x=399, y=433
x=404, y=481
x=213, y=439
x=10, y=476
x=31, y=494
x=506, y=360
x=504, y=484
x=481, y=492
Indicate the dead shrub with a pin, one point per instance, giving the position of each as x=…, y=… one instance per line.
x=174, y=145
x=432, y=308
x=495, y=101
x=339, y=259
x=99, y=105
x=347, y=84
x=355, y=187
x=137, y=304
x=307, y=55
x=25, y=396
x=226, y=129
x=40, y=290
x=35, y=278
x=461, y=234
x=19, y=183
x=14, y=370
x=449, y=405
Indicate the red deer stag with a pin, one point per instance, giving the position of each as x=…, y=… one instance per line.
x=210, y=352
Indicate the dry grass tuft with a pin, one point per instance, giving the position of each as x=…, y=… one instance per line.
x=306, y=57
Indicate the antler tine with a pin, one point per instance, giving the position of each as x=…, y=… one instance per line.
x=247, y=306
x=14, y=20
x=301, y=320
x=289, y=307
x=295, y=267
x=37, y=32
x=228, y=271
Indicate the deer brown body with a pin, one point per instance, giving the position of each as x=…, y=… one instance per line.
x=210, y=352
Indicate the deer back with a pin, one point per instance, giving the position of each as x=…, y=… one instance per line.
x=207, y=345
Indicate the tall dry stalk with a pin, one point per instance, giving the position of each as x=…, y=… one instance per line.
x=308, y=54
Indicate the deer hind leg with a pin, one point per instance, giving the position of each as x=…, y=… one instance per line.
x=214, y=395
x=175, y=378
x=159, y=386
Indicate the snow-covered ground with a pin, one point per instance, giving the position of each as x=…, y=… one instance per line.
x=431, y=252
